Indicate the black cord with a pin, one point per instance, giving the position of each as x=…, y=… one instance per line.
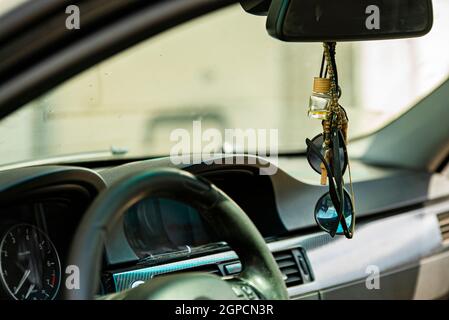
x=322, y=65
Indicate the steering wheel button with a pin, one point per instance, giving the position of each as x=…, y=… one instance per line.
x=247, y=290
x=238, y=291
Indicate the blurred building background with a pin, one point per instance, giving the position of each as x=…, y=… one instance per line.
x=225, y=70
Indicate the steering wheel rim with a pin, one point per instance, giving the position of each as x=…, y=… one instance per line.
x=259, y=269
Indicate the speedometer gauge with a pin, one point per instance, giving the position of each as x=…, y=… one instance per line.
x=29, y=264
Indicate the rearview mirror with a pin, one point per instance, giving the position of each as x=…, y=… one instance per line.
x=348, y=20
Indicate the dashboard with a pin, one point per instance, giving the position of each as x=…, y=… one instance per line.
x=41, y=207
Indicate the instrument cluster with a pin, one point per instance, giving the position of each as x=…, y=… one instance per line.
x=35, y=236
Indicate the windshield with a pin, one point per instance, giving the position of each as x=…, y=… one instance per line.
x=223, y=70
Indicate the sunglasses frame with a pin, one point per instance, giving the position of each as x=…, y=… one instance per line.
x=336, y=190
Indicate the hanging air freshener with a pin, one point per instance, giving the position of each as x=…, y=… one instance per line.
x=320, y=100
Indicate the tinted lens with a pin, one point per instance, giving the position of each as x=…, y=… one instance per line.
x=326, y=215
x=315, y=161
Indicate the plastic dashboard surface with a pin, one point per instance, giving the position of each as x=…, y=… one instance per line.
x=401, y=206
x=279, y=205
x=282, y=203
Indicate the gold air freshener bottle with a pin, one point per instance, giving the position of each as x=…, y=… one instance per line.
x=320, y=100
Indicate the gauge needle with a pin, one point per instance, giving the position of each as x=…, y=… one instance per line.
x=22, y=281
x=30, y=289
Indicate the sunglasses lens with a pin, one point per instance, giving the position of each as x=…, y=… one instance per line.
x=326, y=215
x=315, y=161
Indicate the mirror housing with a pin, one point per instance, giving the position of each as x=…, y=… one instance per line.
x=348, y=20
x=256, y=7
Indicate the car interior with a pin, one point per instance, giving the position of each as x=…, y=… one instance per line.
x=97, y=202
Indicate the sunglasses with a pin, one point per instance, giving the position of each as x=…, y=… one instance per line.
x=334, y=211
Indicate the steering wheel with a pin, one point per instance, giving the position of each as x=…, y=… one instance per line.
x=260, y=276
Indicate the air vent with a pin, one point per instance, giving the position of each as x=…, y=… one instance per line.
x=208, y=268
x=293, y=265
x=443, y=219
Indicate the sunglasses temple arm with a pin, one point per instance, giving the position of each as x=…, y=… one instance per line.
x=338, y=187
x=350, y=183
x=333, y=193
x=348, y=233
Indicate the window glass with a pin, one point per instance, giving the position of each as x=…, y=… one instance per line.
x=224, y=70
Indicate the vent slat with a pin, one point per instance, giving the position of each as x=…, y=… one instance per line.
x=294, y=279
x=444, y=229
x=443, y=220
x=286, y=263
x=282, y=256
x=288, y=271
x=443, y=216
